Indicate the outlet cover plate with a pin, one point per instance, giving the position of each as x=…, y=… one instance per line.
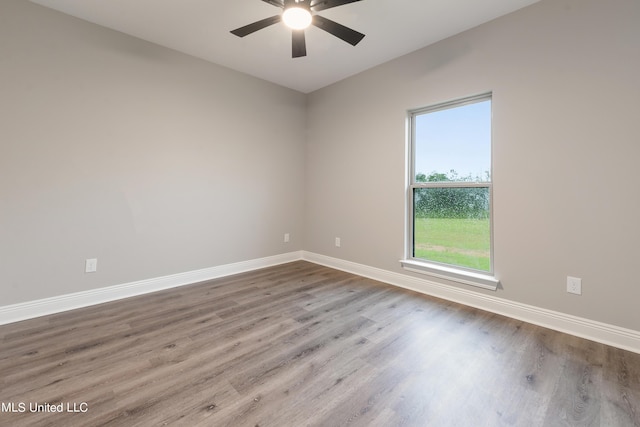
x=91, y=265
x=574, y=285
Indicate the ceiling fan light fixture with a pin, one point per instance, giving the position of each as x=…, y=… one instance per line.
x=297, y=18
x=296, y=14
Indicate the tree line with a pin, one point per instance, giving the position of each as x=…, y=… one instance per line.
x=451, y=202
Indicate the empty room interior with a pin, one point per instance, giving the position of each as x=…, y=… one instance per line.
x=200, y=227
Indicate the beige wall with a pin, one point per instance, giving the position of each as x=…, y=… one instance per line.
x=566, y=91
x=149, y=160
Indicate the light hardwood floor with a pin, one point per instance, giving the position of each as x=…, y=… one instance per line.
x=305, y=345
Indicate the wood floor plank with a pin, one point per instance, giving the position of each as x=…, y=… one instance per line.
x=304, y=345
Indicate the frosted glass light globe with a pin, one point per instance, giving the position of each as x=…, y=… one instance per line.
x=297, y=18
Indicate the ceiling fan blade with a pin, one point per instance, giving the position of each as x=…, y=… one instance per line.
x=275, y=3
x=298, y=44
x=345, y=33
x=318, y=5
x=258, y=25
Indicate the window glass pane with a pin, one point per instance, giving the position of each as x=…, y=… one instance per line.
x=454, y=144
x=452, y=226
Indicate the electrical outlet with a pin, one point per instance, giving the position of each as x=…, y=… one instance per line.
x=337, y=242
x=574, y=285
x=286, y=237
x=91, y=265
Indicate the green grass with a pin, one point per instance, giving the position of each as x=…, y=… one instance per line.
x=461, y=242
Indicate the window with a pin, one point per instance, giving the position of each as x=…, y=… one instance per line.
x=449, y=229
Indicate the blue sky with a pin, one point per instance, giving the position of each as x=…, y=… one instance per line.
x=456, y=138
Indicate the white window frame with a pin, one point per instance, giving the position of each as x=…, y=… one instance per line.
x=458, y=274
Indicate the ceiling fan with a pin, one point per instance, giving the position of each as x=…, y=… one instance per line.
x=298, y=15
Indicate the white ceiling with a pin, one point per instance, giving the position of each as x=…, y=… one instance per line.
x=201, y=28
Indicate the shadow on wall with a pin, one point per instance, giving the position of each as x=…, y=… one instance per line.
x=439, y=56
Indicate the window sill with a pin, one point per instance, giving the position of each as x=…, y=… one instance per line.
x=484, y=281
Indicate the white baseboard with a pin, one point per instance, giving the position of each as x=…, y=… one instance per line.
x=43, y=307
x=615, y=336
x=596, y=331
